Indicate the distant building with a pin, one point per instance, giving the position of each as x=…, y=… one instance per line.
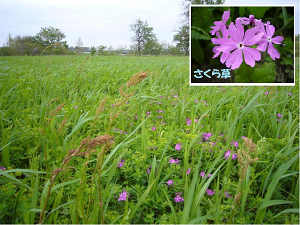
x=83, y=49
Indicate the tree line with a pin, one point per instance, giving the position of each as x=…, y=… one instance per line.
x=48, y=41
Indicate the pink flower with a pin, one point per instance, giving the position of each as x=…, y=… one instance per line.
x=234, y=156
x=178, y=146
x=178, y=198
x=188, y=121
x=206, y=136
x=237, y=42
x=176, y=161
x=235, y=143
x=268, y=40
x=188, y=171
x=121, y=163
x=202, y=174
x=228, y=153
x=210, y=192
x=123, y=196
x=154, y=128
x=170, y=182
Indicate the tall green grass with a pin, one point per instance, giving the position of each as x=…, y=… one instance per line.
x=49, y=104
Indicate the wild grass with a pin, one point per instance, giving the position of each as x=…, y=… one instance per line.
x=76, y=132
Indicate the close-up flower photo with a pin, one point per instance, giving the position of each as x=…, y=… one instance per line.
x=242, y=44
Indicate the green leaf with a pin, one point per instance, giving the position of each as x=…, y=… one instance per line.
x=258, y=12
x=241, y=11
x=284, y=13
x=242, y=74
x=288, y=61
x=202, y=17
x=288, y=211
x=274, y=202
x=57, y=208
x=199, y=34
x=197, y=51
x=276, y=177
x=264, y=73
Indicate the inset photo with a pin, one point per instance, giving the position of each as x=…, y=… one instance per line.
x=242, y=45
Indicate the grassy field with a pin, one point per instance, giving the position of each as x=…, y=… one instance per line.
x=126, y=140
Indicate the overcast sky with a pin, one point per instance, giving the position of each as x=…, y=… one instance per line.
x=99, y=22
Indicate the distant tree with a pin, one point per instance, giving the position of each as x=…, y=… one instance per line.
x=173, y=50
x=101, y=49
x=93, y=50
x=79, y=45
x=142, y=34
x=21, y=45
x=50, y=36
x=152, y=47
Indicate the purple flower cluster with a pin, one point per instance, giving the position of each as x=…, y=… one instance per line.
x=121, y=163
x=169, y=182
x=203, y=175
x=228, y=153
x=235, y=42
x=189, y=121
x=178, y=198
x=235, y=143
x=188, y=171
x=121, y=131
x=123, y=196
x=210, y=192
x=176, y=161
x=178, y=146
x=278, y=117
x=206, y=136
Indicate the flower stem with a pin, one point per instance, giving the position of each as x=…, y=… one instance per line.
x=248, y=73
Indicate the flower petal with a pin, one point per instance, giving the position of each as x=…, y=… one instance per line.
x=240, y=30
x=227, y=48
x=262, y=45
x=277, y=40
x=244, y=20
x=238, y=60
x=224, y=56
x=233, y=33
x=251, y=55
x=235, y=59
x=226, y=15
x=270, y=29
x=251, y=37
x=260, y=25
x=273, y=51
